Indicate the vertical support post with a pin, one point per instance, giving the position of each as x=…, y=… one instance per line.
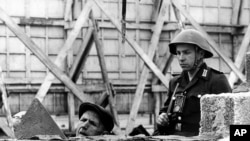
x=247, y=63
x=27, y=51
x=71, y=110
x=70, y=96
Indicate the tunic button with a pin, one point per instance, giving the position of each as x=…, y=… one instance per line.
x=179, y=118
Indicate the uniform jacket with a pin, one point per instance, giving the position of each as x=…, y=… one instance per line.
x=206, y=81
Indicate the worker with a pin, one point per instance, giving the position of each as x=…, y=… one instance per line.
x=94, y=120
x=181, y=112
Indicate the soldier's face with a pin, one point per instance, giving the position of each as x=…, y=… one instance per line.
x=90, y=125
x=186, y=56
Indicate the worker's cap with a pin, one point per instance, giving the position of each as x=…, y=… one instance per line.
x=105, y=117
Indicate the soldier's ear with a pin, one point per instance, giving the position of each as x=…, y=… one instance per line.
x=202, y=53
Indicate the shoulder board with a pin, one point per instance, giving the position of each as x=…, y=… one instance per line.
x=216, y=71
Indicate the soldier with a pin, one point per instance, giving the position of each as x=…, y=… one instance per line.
x=181, y=112
x=94, y=120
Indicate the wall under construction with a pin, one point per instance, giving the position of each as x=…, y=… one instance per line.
x=47, y=23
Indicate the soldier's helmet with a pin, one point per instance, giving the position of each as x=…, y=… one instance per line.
x=191, y=36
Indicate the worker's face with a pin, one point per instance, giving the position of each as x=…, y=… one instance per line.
x=90, y=125
x=186, y=56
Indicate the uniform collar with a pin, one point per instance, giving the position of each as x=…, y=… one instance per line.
x=203, y=73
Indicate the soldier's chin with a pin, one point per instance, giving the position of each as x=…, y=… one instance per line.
x=185, y=68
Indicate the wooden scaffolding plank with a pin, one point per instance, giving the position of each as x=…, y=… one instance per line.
x=82, y=55
x=40, y=54
x=5, y=128
x=63, y=53
x=145, y=72
x=69, y=62
x=133, y=44
x=210, y=40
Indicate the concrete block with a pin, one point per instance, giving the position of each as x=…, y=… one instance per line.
x=218, y=112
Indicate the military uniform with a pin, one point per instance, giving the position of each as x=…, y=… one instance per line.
x=206, y=81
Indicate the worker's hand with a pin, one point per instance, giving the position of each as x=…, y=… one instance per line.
x=163, y=119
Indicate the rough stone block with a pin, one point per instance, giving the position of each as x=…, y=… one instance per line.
x=218, y=112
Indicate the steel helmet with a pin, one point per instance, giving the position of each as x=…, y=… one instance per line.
x=191, y=36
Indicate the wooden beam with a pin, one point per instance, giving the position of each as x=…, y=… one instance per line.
x=69, y=62
x=178, y=17
x=82, y=55
x=38, y=81
x=241, y=55
x=144, y=74
x=133, y=44
x=157, y=7
x=236, y=11
x=40, y=54
x=63, y=53
x=145, y=25
x=5, y=128
x=210, y=40
x=163, y=64
x=158, y=88
x=68, y=10
x=6, y=105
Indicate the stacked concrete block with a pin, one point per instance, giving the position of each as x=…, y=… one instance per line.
x=218, y=112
